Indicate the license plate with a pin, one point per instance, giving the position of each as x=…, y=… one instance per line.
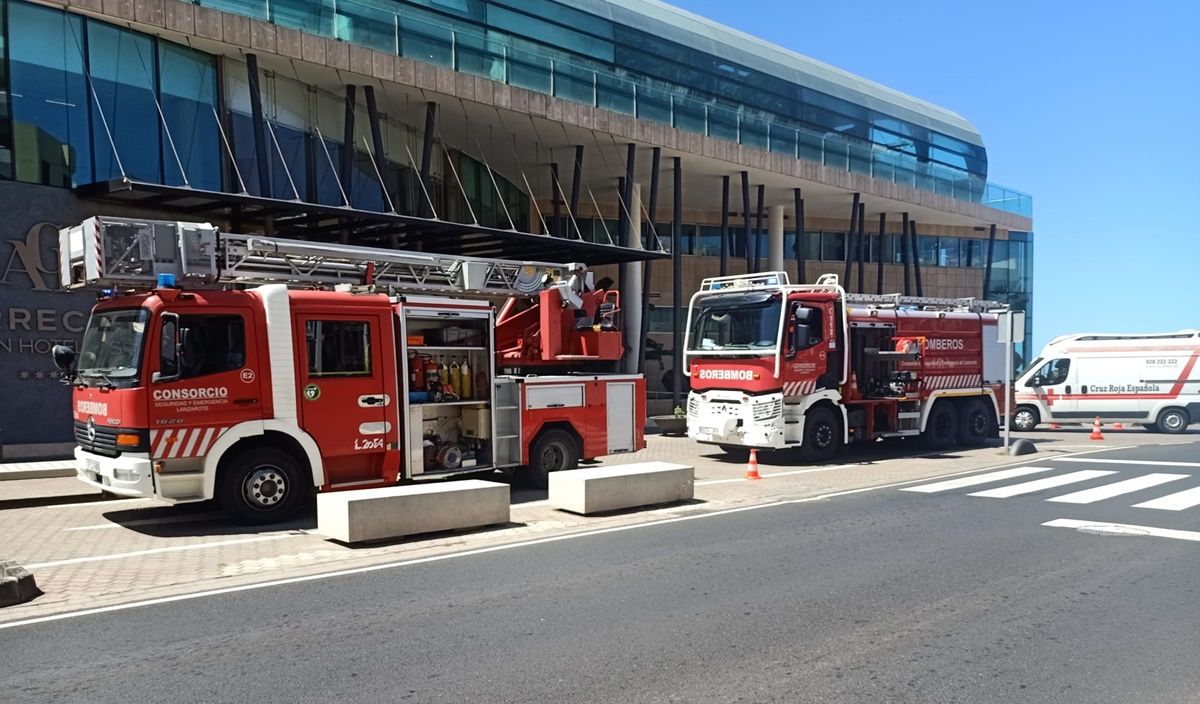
x=92, y=466
x=708, y=431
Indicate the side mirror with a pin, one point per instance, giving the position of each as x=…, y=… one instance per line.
x=64, y=357
x=1033, y=383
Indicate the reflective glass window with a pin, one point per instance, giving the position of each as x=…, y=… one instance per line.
x=188, y=88
x=365, y=25
x=948, y=251
x=927, y=250
x=50, y=113
x=122, y=69
x=313, y=16
x=833, y=246
x=5, y=124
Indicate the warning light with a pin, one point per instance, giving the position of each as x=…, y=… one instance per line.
x=166, y=280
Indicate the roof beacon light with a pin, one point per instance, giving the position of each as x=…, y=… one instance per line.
x=166, y=280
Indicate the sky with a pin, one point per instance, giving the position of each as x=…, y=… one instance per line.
x=1091, y=107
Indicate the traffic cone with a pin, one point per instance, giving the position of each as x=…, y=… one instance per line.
x=752, y=465
x=1054, y=426
x=1096, y=434
x=1118, y=426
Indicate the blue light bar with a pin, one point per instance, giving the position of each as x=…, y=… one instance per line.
x=166, y=281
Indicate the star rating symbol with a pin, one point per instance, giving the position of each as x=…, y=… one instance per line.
x=24, y=375
x=39, y=375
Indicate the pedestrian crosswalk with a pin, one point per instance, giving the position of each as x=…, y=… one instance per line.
x=1003, y=486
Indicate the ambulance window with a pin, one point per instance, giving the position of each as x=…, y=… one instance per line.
x=338, y=347
x=210, y=344
x=1053, y=372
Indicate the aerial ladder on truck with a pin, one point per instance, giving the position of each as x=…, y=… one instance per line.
x=428, y=420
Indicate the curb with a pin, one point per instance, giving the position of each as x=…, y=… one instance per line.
x=17, y=585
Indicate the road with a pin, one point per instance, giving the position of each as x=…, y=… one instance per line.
x=924, y=593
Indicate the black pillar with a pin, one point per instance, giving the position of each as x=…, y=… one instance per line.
x=622, y=219
x=677, y=288
x=758, y=231
x=630, y=174
x=576, y=180
x=347, y=167
x=864, y=247
x=904, y=246
x=377, y=139
x=879, y=266
x=850, y=241
x=801, y=243
x=648, y=227
x=260, y=127
x=655, y=164
x=431, y=110
x=556, y=228
x=987, y=269
x=724, y=225
x=746, y=217
x=916, y=250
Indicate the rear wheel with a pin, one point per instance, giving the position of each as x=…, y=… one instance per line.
x=1172, y=421
x=975, y=423
x=261, y=485
x=822, y=435
x=553, y=451
x=941, y=428
x=1026, y=419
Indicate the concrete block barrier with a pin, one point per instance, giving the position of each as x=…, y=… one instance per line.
x=397, y=511
x=611, y=488
x=16, y=584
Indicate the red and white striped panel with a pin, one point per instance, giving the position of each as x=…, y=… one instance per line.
x=952, y=381
x=799, y=388
x=175, y=443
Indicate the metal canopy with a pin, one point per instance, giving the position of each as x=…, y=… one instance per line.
x=285, y=218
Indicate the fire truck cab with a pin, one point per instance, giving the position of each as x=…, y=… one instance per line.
x=258, y=396
x=775, y=365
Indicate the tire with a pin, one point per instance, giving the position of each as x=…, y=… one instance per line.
x=261, y=485
x=822, y=435
x=1026, y=419
x=554, y=450
x=1172, y=421
x=941, y=428
x=975, y=423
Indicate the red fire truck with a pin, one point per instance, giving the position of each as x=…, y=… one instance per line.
x=775, y=365
x=255, y=370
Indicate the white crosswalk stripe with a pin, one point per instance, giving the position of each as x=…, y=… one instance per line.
x=1040, y=484
x=1108, y=491
x=976, y=479
x=1174, y=502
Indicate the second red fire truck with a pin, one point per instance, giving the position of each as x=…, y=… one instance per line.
x=775, y=365
x=223, y=366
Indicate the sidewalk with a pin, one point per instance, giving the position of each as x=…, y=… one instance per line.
x=36, y=470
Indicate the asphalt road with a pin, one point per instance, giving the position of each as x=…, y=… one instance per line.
x=880, y=596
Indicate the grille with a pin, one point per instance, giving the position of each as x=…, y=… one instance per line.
x=104, y=444
x=766, y=411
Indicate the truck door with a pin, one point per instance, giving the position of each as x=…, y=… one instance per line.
x=1053, y=385
x=347, y=392
x=806, y=355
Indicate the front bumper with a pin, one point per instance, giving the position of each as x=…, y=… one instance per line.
x=131, y=474
x=726, y=419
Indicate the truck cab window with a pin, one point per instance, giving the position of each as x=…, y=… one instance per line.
x=338, y=348
x=210, y=344
x=810, y=320
x=1052, y=373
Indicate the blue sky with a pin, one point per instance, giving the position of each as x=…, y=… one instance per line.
x=1093, y=108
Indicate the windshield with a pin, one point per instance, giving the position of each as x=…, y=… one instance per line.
x=734, y=323
x=112, y=347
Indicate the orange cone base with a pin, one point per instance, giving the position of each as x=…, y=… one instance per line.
x=752, y=465
x=1096, y=434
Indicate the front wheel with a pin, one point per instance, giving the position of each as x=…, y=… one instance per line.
x=1172, y=421
x=261, y=485
x=1025, y=419
x=822, y=435
x=553, y=451
x=941, y=428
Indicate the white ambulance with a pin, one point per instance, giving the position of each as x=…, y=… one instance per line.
x=1149, y=379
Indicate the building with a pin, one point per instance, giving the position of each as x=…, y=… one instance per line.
x=535, y=129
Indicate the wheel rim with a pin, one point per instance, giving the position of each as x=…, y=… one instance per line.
x=1024, y=420
x=554, y=457
x=1172, y=421
x=265, y=487
x=823, y=435
x=977, y=424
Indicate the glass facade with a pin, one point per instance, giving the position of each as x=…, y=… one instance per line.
x=555, y=48
x=1012, y=283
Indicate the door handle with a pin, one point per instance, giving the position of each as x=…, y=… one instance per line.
x=371, y=400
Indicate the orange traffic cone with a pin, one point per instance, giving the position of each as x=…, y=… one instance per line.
x=752, y=465
x=1118, y=426
x=1096, y=434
